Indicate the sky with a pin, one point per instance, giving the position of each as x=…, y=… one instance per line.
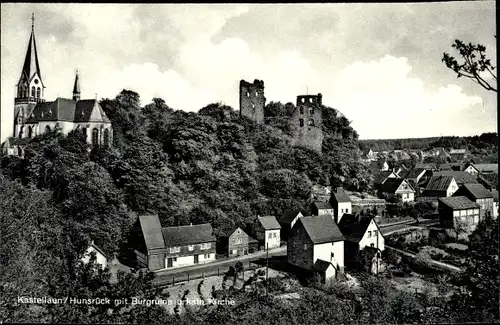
x=378, y=64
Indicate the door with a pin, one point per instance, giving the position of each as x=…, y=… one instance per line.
x=169, y=262
x=196, y=259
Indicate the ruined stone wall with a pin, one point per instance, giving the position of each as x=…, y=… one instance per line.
x=307, y=122
x=252, y=100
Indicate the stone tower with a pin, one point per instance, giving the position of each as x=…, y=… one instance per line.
x=76, y=88
x=252, y=100
x=30, y=88
x=308, y=122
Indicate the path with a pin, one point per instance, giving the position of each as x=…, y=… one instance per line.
x=437, y=263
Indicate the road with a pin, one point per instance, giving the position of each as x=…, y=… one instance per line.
x=219, y=266
x=437, y=263
x=402, y=227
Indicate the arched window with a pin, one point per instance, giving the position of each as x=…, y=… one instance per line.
x=47, y=129
x=311, y=122
x=38, y=92
x=25, y=91
x=106, y=138
x=95, y=137
x=30, y=132
x=311, y=110
x=301, y=110
x=33, y=91
x=301, y=121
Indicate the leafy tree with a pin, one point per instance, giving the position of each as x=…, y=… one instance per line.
x=474, y=64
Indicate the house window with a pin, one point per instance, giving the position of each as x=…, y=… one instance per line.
x=205, y=246
x=369, y=234
x=175, y=249
x=174, y=259
x=372, y=245
x=190, y=247
x=30, y=132
x=333, y=255
x=238, y=241
x=305, y=247
x=274, y=235
x=206, y=256
x=95, y=137
x=301, y=121
x=374, y=233
x=311, y=111
x=248, y=94
x=256, y=94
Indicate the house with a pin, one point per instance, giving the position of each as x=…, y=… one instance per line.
x=238, y=242
x=480, y=195
x=426, y=166
x=380, y=164
x=458, y=154
x=487, y=168
x=459, y=176
x=400, y=154
x=367, y=156
x=381, y=177
x=341, y=203
x=173, y=247
x=360, y=232
x=321, y=208
x=398, y=187
x=268, y=232
x=364, y=203
x=458, y=213
x=494, y=192
x=317, y=238
x=400, y=170
x=100, y=256
x=440, y=186
x=471, y=169
x=320, y=193
x=413, y=176
x=287, y=221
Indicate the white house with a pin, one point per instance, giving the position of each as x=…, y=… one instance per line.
x=269, y=232
x=321, y=208
x=341, y=203
x=99, y=254
x=313, y=239
x=398, y=187
x=440, y=186
x=471, y=169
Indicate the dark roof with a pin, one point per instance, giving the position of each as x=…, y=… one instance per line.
x=487, y=167
x=459, y=176
x=250, y=239
x=391, y=185
x=63, y=109
x=269, y=222
x=439, y=183
x=322, y=205
x=98, y=249
x=288, y=216
x=321, y=265
x=76, y=86
x=458, y=202
x=354, y=228
x=478, y=191
x=380, y=176
x=340, y=196
x=31, y=65
x=414, y=173
x=151, y=230
x=321, y=229
x=186, y=235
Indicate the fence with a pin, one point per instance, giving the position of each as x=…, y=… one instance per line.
x=168, y=281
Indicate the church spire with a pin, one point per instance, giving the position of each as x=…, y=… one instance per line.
x=31, y=65
x=76, y=88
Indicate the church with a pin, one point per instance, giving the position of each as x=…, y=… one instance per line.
x=33, y=115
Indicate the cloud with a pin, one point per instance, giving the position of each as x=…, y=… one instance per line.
x=384, y=100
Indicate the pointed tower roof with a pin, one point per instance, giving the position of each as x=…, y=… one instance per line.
x=76, y=87
x=31, y=65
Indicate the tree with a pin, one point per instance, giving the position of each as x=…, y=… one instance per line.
x=474, y=66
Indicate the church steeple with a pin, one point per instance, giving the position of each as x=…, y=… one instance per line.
x=76, y=88
x=31, y=65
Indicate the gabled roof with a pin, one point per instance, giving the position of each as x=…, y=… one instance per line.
x=391, y=185
x=269, y=222
x=459, y=176
x=288, y=216
x=188, y=235
x=322, y=205
x=439, y=183
x=151, y=230
x=354, y=228
x=458, y=202
x=477, y=191
x=380, y=176
x=340, y=196
x=321, y=265
x=321, y=229
x=63, y=109
x=415, y=172
x=93, y=245
x=31, y=65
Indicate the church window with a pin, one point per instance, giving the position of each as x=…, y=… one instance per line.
x=95, y=137
x=301, y=122
x=38, y=92
x=47, y=129
x=311, y=122
x=33, y=91
x=106, y=137
x=30, y=132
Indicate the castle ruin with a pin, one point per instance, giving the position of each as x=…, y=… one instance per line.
x=252, y=100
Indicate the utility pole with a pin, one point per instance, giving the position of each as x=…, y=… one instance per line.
x=267, y=267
